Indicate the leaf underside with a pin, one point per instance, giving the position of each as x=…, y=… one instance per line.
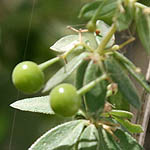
x=62, y=137
x=36, y=104
x=88, y=139
x=65, y=71
x=68, y=42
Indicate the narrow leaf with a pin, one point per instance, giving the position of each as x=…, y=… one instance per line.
x=139, y=77
x=102, y=143
x=95, y=98
x=37, y=104
x=121, y=114
x=106, y=14
x=143, y=26
x=64, y=72
x=88, y=139
x=92, y=6
x=125, y=85
x=62, y=137
x=110, y=141
x=124, y=15
x=80, y=74
x=132, y=69
x=80, y=78
x=126, y=141
x=132, y=128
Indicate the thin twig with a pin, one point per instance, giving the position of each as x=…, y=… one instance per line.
x=144, y=115
x=106, y=39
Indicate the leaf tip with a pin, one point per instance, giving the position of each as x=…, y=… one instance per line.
x=12, y=105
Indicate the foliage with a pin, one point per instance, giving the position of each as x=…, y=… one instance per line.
x=102, y=80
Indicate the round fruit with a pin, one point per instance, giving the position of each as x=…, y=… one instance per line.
x=91, y=26
x=27, y=77
x=64, y=100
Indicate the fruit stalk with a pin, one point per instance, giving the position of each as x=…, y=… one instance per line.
x=48, y=63
x=90, y=85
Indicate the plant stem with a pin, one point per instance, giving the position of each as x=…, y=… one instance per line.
x=90, y=85
x=87, y=47
x=117, y=47
x=69, y=51
x=106, y=39
x=144, y=114
x=94, y=18
x=48, y=63
x=126, y=42
x=125, y=60
x=140, y=5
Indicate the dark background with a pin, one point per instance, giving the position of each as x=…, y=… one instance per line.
x=48, y=24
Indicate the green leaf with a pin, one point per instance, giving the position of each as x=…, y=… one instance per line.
x=68, y=42
x=80, y=77
x=124, y=15
x=36, y=104
x=65, y=71
x=119, y=102
x=106, y=14
x=126, y=141
x=139, y=77
x=80, y=74
x=132, y=128
x=89, y=39
x=143, y=27
x=104, y=29
x=121, y=114
x=109, y=140
x=88, y=139
x=102, y=144
x=125, y=85
x=62, y=137
x=95, y=98
x=85, y=10
x=132, y=69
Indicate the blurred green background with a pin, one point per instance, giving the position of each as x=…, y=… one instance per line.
x=48, y=24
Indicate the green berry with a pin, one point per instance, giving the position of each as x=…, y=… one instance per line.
x=27, y=77
x=91, y=26
x=64, y=100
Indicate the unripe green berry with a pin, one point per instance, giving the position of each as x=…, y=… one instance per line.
x=115, y=47
x=65, y=100
x=28, y=77
x=91, y=26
